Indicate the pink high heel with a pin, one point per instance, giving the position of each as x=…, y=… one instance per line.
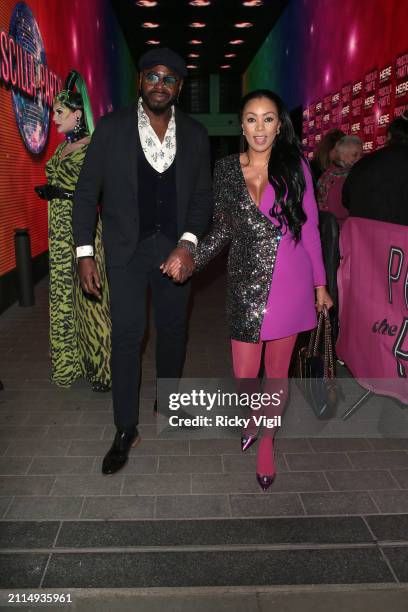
x=247, y=442
x=265, y=480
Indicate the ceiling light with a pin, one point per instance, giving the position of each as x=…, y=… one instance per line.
x=237, y=41
x=191, y=66
x=195, y=42
x=200, y=2
x=253, y=3
x=150, y=25
x=152, y=42
x=225, y=66
x=197, y=24
x=146, y=3
x=230, y=55
x=193, y=55
x=244, y=24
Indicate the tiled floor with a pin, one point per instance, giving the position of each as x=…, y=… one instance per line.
x=52, y=442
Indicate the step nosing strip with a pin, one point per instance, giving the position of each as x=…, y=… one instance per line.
x=170, y=519
x=192, y=548
x=323, y=588
x=396, y=543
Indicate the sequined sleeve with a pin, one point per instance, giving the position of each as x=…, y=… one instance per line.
x=221, y=231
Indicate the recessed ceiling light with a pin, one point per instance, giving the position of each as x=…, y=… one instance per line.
x=152, y=42
x=195, y=42
x=193, y=55
x=244, y=24
x=150, y=25
x=146, y=3
x=197, y=24
x=230, y=55
x=191, y=66
x=253, y=3
x=200, y=2
x=225, y=66
x=237, y=41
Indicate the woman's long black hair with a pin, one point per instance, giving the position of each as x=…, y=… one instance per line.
x=285, y=170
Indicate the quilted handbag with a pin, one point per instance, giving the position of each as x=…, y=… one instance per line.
x=316, y=369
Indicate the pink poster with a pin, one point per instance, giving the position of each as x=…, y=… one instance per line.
x=373, y=305
x=401, y=84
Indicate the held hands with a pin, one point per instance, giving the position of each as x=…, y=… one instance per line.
x=179, y=265
x=323, y=299
x=89, y=276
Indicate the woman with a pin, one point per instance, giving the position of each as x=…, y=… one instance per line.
x=265, y=207
x=79, y=326
x=325, y=153
x=348, y=151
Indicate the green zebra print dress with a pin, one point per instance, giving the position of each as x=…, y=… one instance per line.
x=80, y=326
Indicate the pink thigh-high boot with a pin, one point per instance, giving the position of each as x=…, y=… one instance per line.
x=278, y=354
x=246, y=360
x=246, y=363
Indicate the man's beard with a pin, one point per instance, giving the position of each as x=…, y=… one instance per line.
x=158, y=108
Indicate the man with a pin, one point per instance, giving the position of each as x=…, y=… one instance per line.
x=377, y=186
x=347, y=151
x=151, y=164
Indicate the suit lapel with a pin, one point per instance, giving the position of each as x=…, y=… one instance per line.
x=132, y=144
x=182, y=163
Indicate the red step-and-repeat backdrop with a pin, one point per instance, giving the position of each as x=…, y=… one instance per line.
x=40, y=42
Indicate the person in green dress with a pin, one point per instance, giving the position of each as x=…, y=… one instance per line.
x=80, y=326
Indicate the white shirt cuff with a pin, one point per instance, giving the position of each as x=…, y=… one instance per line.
x=85, y=251
x=191, y=237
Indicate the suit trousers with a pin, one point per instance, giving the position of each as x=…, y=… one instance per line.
x=128, y=288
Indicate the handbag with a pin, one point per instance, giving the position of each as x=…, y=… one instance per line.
x=316, y=369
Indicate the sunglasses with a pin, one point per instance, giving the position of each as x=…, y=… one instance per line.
x=153, y=78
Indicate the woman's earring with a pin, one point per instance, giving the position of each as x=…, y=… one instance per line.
x=77, y=125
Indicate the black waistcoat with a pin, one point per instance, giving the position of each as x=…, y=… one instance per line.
x=157, y=197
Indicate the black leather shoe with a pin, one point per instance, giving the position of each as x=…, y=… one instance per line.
x=117, y=455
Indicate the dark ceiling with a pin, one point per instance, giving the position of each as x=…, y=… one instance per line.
x=219, y=16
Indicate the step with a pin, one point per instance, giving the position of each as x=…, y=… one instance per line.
x=373, y=598
x=204, y=553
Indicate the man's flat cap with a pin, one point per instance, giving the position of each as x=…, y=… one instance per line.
x=164, y=57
